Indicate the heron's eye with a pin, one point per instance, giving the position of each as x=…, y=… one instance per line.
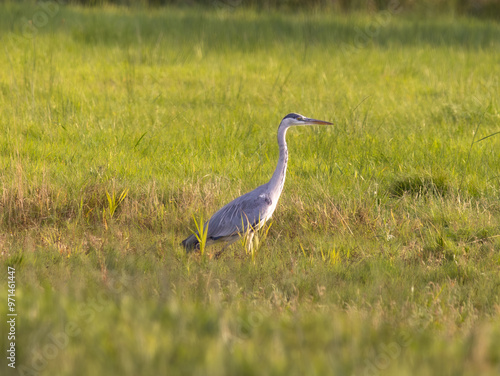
x=300, y=118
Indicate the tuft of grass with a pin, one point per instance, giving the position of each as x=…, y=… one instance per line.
x=114, y=201
x=419, y=186
x=201, y=232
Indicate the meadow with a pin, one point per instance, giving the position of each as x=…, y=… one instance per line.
x=120, y=126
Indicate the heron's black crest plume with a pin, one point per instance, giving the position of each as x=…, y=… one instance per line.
x=292, y=115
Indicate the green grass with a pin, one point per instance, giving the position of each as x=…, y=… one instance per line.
x=384, y=254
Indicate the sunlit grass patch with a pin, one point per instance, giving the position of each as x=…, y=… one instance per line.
x=119, y=126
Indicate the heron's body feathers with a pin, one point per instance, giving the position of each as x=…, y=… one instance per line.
x=249, y=211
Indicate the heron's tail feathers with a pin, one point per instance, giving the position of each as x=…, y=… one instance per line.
x=191, y=243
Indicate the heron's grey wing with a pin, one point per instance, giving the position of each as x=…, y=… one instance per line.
x=236, y=216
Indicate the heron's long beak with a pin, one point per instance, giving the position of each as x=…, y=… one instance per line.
x=315, y=121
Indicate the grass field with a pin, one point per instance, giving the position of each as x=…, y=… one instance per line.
x=384, y=253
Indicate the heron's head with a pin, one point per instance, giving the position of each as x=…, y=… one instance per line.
x=297, y=119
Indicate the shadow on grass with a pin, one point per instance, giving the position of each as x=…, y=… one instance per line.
x=245, y=31
x=417, y=185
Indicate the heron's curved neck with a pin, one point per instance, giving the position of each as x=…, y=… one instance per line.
x=278, y=179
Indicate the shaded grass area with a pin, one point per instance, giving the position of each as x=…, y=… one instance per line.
x=384, y=252
x=136, y=308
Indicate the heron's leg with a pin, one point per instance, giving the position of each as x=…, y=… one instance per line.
x=219, y=253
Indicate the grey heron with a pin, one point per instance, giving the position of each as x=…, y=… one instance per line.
x=249, y=212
